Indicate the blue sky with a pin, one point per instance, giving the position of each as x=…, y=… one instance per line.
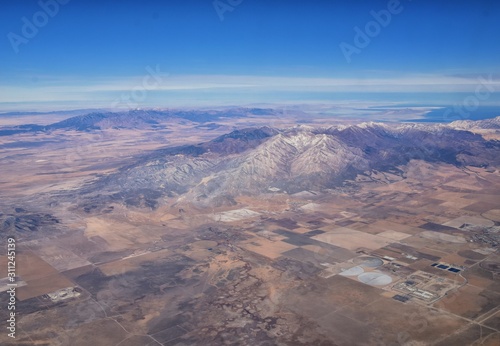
x=93, y=53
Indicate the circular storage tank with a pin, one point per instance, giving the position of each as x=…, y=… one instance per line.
x=375, y=279
x=372, y=262
x=353, y=271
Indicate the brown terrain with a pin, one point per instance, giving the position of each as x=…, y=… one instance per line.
x=354, y=266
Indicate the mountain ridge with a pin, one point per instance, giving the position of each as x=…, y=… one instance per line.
x=134, y=119
x=250, y=161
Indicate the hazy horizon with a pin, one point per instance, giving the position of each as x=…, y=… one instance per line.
x=60, y=55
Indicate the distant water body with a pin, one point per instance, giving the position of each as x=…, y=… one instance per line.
x=453, y=113
x=443, y=106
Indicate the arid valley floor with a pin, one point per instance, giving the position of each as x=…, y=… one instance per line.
x=380, y=259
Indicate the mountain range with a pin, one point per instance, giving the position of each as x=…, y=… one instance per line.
x=135, y=119
x=254, y=160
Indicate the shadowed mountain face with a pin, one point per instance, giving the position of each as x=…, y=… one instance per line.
x=250, y=161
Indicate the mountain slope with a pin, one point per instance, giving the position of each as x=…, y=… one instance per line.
x=135, y=119
x=493, y=123
x=250, y=161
